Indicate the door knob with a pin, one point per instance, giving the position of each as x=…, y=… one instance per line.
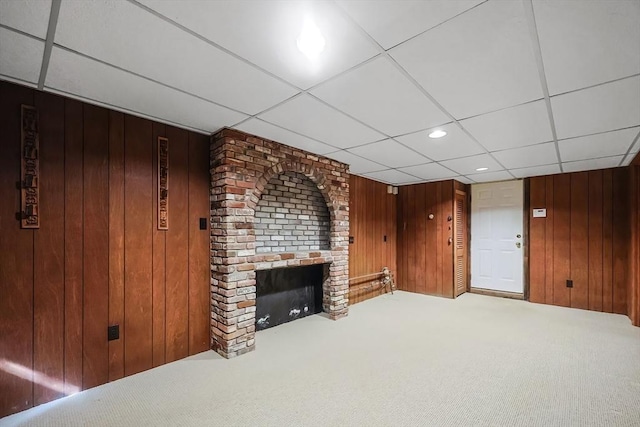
x=518, y=245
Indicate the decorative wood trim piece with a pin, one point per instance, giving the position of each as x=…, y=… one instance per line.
x=30, y=168
x=163, y=183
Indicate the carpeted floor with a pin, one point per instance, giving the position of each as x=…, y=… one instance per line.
x=397, y=360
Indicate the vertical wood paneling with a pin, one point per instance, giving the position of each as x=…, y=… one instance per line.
x=95, y=361
x=73, y=245
x=199, y=311
x=159, y=254
x=177, y=297
x=621, y=239
x=561, y=239
x=447, y=245
x=537, y=237
x=48, y=303
x=138, y=241
x=16, y=261
x=420, y=238
x=411, y=239
x=595, y=240
x=607, y=241
x=549, y=230
x=116, y=242
x=441, y=223
x=579, y=240
x=431, y=239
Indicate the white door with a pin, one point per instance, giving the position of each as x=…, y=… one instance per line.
x=496, y=236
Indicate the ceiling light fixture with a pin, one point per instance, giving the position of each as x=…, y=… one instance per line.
x=310, y=41
x=482, y=169
x=437, y=134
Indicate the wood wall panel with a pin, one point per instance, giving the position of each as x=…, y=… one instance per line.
x=138, y=261
x=16, y=262
x=372, y=216
x=95, y=363
x=199, y=264
x=177, y=297
x=116, y=242
x=159, y=261
x=62, y=285
x=48, y=303
x=633, y=296
x=73, y=245
x=425, y=254
x=586, y=230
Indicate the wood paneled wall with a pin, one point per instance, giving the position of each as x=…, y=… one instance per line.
x=98, y=258
x=633, y=297
x=372, y=216
x=585, y=237
x=425, y=254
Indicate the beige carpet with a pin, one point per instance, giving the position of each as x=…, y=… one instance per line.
x=401, y=360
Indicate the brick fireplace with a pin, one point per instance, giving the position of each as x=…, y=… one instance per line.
x=272, y=206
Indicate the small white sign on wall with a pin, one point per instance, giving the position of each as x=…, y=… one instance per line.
x=539, y=213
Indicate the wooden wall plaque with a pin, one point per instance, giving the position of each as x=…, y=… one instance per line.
x=163, y=183
x=30, y=168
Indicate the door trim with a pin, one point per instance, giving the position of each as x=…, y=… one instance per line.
x=501, y=294
x=526, y=205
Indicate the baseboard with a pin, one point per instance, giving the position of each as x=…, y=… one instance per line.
x=501, y=294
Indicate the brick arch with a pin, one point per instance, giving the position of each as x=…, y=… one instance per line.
x=316, y=176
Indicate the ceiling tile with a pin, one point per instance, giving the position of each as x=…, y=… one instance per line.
x=455, y=144
x=601, y=145
x=463, y=179
x=149, y=46
x=391, y=22
x=29, y=16
x=77, y=75
x=468, y=165
x=587, y=42
x=395, y=107
x=512, y=127
x=308, y=116
x=536, y=171
x=267, y=130
x=20, y=56
x=491, y=176
x=391, y=176
x=598, y=109
x=592, y=164
x=265, y=33
x=356, y=164
x=480, y=61
x=429, y=172
x=533, y=155
x=633, y=153
x=389, y=153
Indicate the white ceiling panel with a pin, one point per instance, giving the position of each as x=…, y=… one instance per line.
x=533, y=155
x=587, y=42
x=29, y=16
x=391, y=22
x=389, y=153
x=594, y=146
x=148, y=45
x=463, y=179
x=468, y=165
x=392, y=176
x=525, y=124
x=592, y=164
x=429, y=172
x=308, y=116
x=394, y=107
x=480, y=61
x=536, y=171
x=267, y=130
x=265, y=33
x=20, y=56
x=454, y=144
x=491, y=176
x=356, y=164
x=598, y=109
x=80, y=76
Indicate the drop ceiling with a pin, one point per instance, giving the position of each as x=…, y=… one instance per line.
x=523, y=88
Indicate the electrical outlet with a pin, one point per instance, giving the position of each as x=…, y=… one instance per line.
x=203, y=223
x=385, y=238
x=113, y=332
x=569, y=283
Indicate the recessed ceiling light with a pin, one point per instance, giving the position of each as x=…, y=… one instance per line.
x=482, y=169
x=437, y=134
x=310, y=41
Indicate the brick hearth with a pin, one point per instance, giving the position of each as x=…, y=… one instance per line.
x=245, y=168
